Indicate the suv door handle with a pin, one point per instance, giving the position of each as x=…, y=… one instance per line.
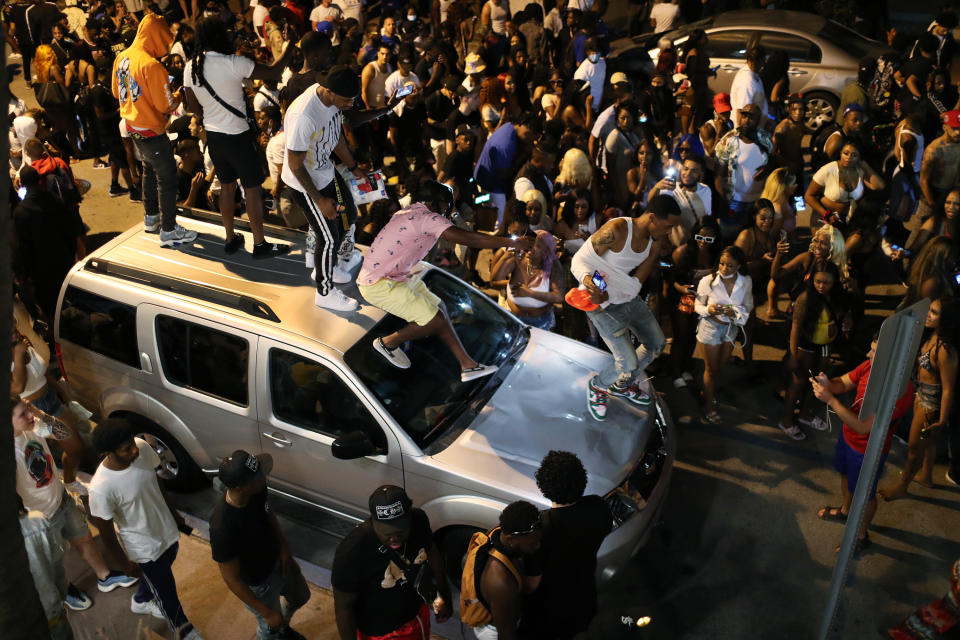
x=278, y=440
x=729, y=67
x=796, y=72
x=145, y=362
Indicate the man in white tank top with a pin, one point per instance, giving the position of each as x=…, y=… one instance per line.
x=613, y=266
x=495, y=15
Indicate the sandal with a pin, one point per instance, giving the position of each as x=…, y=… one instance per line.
x=861, y=545
x=832, y=514
x=794, y=432
x=816, y=423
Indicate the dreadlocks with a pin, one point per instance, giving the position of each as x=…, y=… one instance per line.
x=211, y=36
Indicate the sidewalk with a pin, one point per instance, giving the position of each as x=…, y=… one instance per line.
x=209, y=605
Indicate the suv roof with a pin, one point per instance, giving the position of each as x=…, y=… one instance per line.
x=273, y=292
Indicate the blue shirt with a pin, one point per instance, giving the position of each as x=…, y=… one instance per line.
x=497, y=154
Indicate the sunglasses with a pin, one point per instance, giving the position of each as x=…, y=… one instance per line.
x=685, y=149
x=556, y=82
x=704, y=239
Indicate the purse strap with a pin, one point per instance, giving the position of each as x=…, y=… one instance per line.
x=223, y=103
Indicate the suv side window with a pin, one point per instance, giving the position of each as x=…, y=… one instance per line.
x=309, y=395
x=797, y=49
x=204, y=359
x=729, y=44
x=102, y=325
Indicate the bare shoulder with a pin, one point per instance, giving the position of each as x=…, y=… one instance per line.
x=609, y=233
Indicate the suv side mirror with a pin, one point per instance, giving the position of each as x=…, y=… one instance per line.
x=353, y=445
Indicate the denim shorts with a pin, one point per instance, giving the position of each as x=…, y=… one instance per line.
x=848, y=462
x=714, y=333
x=49, y=402
x=68, y=519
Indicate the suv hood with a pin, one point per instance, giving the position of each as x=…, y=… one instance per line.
x=540, y=406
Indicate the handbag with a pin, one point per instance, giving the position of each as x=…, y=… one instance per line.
x=51, y=95
x=422, y=582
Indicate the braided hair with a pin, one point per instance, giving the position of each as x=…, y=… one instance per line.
x=211, y=35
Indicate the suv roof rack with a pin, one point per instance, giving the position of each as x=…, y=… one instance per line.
x=287, y=233
x=250, y=306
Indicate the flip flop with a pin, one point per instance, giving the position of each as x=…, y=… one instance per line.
x=831, y=514
x=816, y=423
x=793, y=432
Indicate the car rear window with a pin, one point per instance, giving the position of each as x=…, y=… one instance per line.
x=849, y=40
x=101, y=325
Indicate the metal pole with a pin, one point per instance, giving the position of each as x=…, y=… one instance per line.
x=896, y=350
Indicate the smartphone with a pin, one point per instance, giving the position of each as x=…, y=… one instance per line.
x=405, y=90
x=22, y=192
x=671, y=173
x=956, y=278
x=480, y=199
x=665, y=264
x=599, y=281
x=895, y=247
x=643, y=117
x=799, y=203
x=170, y=79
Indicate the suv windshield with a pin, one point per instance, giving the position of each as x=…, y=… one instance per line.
x=426, y=398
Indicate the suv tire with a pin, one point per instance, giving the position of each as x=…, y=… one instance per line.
x=178, y=471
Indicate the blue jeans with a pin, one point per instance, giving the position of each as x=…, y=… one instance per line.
x=295, y=594
x=615, y=324
x=159, y=179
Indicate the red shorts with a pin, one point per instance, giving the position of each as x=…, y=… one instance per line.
x=416, y=629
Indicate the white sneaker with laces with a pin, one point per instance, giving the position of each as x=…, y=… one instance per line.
x=149, y=606
x=177, y=236
x=394, y=356
x=336, y=300
x=341, y=275
x=466, y=375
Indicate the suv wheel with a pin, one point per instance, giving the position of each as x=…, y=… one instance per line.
x=177, y=471
x=453, y=543
x=821, y=110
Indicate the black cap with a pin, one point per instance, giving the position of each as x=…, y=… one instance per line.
x=240, y=467
x=463, y=130
x=343, y=81
x=390, y=506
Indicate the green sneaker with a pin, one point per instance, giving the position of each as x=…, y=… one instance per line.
x=633, y=393
x=596, y=400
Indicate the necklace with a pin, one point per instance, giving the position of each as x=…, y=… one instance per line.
x=529, y=268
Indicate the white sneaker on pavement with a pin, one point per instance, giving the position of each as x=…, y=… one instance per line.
x=336, y=300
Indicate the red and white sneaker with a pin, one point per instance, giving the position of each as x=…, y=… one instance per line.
x=596, y=400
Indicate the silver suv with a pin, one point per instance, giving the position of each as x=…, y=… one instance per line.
x=209, y=353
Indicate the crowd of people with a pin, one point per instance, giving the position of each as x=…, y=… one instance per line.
x=615, y=209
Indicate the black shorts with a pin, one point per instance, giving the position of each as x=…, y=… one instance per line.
x=117, y=154
x=236, y=156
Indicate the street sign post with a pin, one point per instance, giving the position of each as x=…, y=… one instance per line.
x=892, y=365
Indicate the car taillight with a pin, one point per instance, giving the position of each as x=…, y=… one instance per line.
x=63, y=371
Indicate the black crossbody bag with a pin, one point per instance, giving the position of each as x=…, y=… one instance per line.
x=422, y=581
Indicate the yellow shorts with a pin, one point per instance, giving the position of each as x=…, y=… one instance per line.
x=410, y=300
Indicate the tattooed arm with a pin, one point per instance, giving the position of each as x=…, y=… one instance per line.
x=69, y=442
x=610, y=234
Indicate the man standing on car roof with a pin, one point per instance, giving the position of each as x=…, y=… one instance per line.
x=374, y=573
x=314, y=131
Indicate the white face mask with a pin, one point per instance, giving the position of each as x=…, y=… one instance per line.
x=593, y=57
x=732, y=275
x=412, y=18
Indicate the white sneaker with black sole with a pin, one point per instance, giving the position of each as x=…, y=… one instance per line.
x=336, y=300
x=148, y=607
x=177, y=236
x=394, y=356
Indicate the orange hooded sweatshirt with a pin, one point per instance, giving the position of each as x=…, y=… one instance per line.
x=140, y=82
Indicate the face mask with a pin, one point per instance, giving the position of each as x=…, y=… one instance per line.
x=593, y=57
x=412, y=18
x=732, y=275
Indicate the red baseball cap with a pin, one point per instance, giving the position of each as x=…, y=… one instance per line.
x=579, y=298
x=952, y=119
x=721, y=103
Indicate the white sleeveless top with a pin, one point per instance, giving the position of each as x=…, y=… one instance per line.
x=626, y=260
x=918, y=158
x=378, y=85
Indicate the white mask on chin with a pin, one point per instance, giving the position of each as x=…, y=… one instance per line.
x=732, y=275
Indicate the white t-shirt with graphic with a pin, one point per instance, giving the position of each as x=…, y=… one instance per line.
x=313, y=127
x=38, y=482
x=132, y=499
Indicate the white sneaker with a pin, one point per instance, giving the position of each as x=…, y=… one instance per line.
x=341, y=275
x=466, y=375
x=150, y=606
x=151, y=224
x=348, y=261
x=335, y=301
x=394, y=356
x=177, y=236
